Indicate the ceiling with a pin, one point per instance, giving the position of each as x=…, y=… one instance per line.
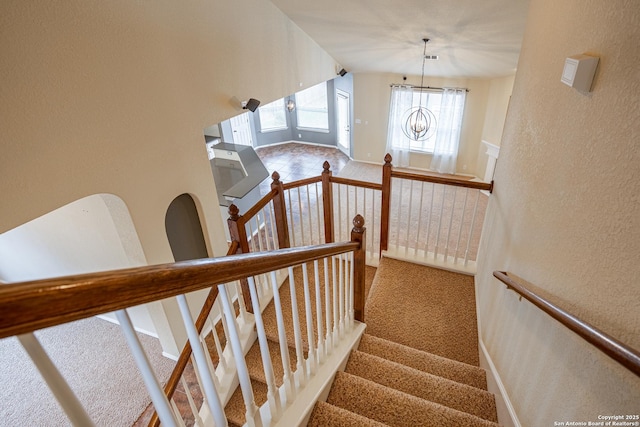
x=472, y=38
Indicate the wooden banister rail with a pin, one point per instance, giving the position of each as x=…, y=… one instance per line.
x=488, y=186
x=29, y=306
x=618, y=351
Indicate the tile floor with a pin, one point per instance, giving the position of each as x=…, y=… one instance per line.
x=294, y=161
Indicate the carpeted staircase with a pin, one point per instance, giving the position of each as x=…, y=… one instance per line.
x=386, y=381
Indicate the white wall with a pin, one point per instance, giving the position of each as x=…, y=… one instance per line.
x=91, y=234
x=112, y=97
x=565, y=216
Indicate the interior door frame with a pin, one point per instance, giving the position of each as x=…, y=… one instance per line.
x=347, y=111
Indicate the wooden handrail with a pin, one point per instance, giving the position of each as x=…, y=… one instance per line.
x=252, y=211
x=443, y=180
x=356, y=183
x=29, y=306
x=302, y=182
x=618, y=351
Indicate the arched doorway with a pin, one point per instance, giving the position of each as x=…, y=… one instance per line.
x=184, y=230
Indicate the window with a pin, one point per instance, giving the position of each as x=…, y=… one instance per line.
x=432, y=101
x=272, y=116
x=311, y=108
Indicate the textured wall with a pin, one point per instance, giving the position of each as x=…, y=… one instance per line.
x=112, y=97
x=565, y=216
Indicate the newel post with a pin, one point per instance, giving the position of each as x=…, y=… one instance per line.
x=327, y=202
x=280, y=211
x=359, y=263
x=239, y=234
x=386, y=204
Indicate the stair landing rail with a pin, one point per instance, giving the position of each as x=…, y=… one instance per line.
x=34, y=305
x=615, y=349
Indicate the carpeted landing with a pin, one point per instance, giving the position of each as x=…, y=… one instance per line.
x=415, y=366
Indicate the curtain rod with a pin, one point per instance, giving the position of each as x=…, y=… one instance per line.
x=422, y=87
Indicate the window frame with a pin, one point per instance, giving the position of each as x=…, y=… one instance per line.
x=277, y=106
x=324, y=110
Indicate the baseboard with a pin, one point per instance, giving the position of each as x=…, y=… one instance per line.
x=507, y=416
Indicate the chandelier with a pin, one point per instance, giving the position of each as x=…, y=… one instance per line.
x=419, y=123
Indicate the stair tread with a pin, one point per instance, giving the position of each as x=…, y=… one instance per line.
x=394, y=407
x=327, y=415
x=256, y=369
x=424, y=361
x=426, y=386
x=235, y=409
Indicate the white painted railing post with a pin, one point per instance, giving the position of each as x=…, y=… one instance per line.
x=300, y=362
x=252, y=414
x=311, y=356
x=159, y=399
x=320, y=345
x=206, y=377
x=273, y=397
x=56, y=382
x=289, y=383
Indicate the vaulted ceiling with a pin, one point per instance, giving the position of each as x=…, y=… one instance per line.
x=471, y=38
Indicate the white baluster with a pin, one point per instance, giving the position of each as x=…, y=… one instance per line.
x=444, y=191
x=351, y=290
x=321, y=238
x=267, y=231
x=292, y=232
x=309, y=215
x=453, y=209
x=192, y=403
x=398, y=213
x=252, y=414
x=320, y=346
x=473, y=222
x=273, y=397
x=301, y=364
x=464, y=209
x=301, y=219
x=417, y=241
x=211, y=394
x=311, y=357
x=426, y=245
x=406, y=246
x=63, y=393
x=222, y=362
x=340, y=217
x=241, y=305
x=336, y=313
x=327, y=306
x=273, y=234
x=341, y=292
x=289, y=383
x=177, y=412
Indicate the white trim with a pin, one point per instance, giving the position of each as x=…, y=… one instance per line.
x=317, y=389
x=142, y=331
x=502, y=397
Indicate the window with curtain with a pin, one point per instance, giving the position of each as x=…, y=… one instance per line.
x=272, y=116
x=447, y=108
x=312, y=110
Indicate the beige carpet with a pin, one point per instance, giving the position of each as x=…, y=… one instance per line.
x=428, y=309
x=390, y=379
x=94, y=358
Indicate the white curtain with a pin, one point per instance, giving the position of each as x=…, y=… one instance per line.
x=445, y=151
x=398, y=145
